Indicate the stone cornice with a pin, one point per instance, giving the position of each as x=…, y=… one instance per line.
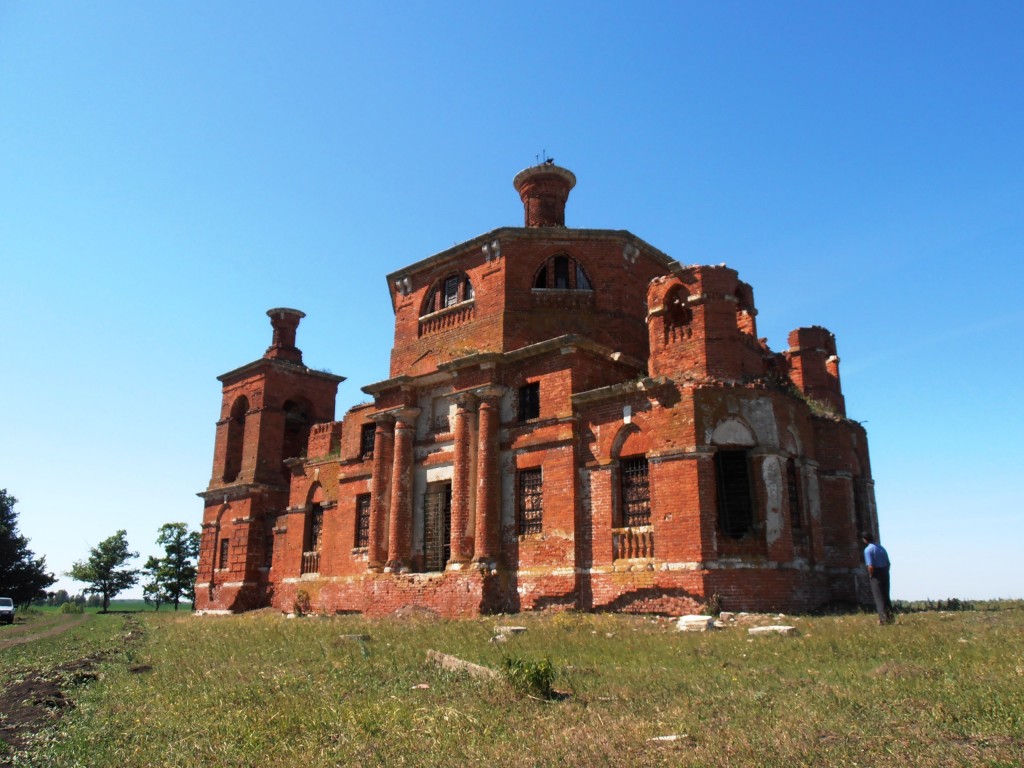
x=283, y=366
x=646, y=384
x=565, y=235
x=239, y=491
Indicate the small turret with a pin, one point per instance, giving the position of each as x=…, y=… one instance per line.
x=285, y=322
x=814, y=365
x=544, y=190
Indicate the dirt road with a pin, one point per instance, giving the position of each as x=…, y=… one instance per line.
x=65, y=622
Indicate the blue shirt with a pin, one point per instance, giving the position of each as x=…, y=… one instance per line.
x=876, y=556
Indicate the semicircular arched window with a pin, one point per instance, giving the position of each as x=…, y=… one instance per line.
x=236, y=439
x=562, y=273
x=453, y=289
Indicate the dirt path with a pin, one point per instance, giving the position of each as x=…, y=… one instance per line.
x=62, y=626
x=32, y=701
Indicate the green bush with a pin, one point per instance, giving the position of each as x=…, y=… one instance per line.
x=71, y=608
x=528, y=676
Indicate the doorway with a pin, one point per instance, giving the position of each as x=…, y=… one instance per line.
x=437, y=526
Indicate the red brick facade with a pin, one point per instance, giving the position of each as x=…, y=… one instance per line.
x=572, y=419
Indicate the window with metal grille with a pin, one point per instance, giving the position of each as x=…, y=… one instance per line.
x=735, y=502
x=222, y=560
x=363, y=520
x=531, y=501
x=366, y=438
x=796, y=519
x=529, y=401
x=635, y=487
x=316, y=528
x=437, y=526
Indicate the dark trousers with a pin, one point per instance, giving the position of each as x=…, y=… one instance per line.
x=880, y=591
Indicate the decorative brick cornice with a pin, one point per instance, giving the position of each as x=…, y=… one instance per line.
x=646, y=384
x=264, y=365
x=239, y=491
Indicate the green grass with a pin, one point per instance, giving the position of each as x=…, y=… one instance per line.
x=116, y=606
x=937, y=689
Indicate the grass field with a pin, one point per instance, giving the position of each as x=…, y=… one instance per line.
x=117, y=606
x=937, y=689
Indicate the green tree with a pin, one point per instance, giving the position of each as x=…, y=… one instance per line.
x=23, y=576
x=104, y=571
x=153, y=590
x=173, y=576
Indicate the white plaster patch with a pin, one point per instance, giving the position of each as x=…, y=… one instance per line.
x=771, y=475
x=760, y=415
x=731, y=432
x=813, y=494
x=440, y=473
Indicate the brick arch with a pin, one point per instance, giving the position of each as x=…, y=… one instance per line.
x=562, y=271
x=315, y=494
x=633, y=439
x=658, y=291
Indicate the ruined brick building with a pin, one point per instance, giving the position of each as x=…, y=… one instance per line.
x=572, y=419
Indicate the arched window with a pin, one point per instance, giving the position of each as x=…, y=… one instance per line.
x=634, y=492
x=297, y=422
x=453, y=289
x=678, y=315
x=313, y=539
x=562, y=273
x=236, y=439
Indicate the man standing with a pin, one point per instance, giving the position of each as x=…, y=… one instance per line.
x=877, y=561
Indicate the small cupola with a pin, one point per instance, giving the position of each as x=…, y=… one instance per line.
x=285, y=322
x=544, y=189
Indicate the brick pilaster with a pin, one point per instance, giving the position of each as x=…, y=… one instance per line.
x=462, y=479
x=488, y=491
x=400, y=529
x=380, y=498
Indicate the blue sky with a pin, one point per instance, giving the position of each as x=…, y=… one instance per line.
x=168, y=172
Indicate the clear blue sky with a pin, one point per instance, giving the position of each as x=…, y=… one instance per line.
x=168, y=172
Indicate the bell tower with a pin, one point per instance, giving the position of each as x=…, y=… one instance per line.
x=268, y=408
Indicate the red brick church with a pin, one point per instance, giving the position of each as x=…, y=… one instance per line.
x=572, y=419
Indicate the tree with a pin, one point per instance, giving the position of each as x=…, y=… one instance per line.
x=103, y=571
x=173, y=576
x=23, y=576
x=153, y=591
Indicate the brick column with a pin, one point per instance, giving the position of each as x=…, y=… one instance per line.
x=488, y=488
x=462, y=480
x=380, y=498
x=400, y=529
